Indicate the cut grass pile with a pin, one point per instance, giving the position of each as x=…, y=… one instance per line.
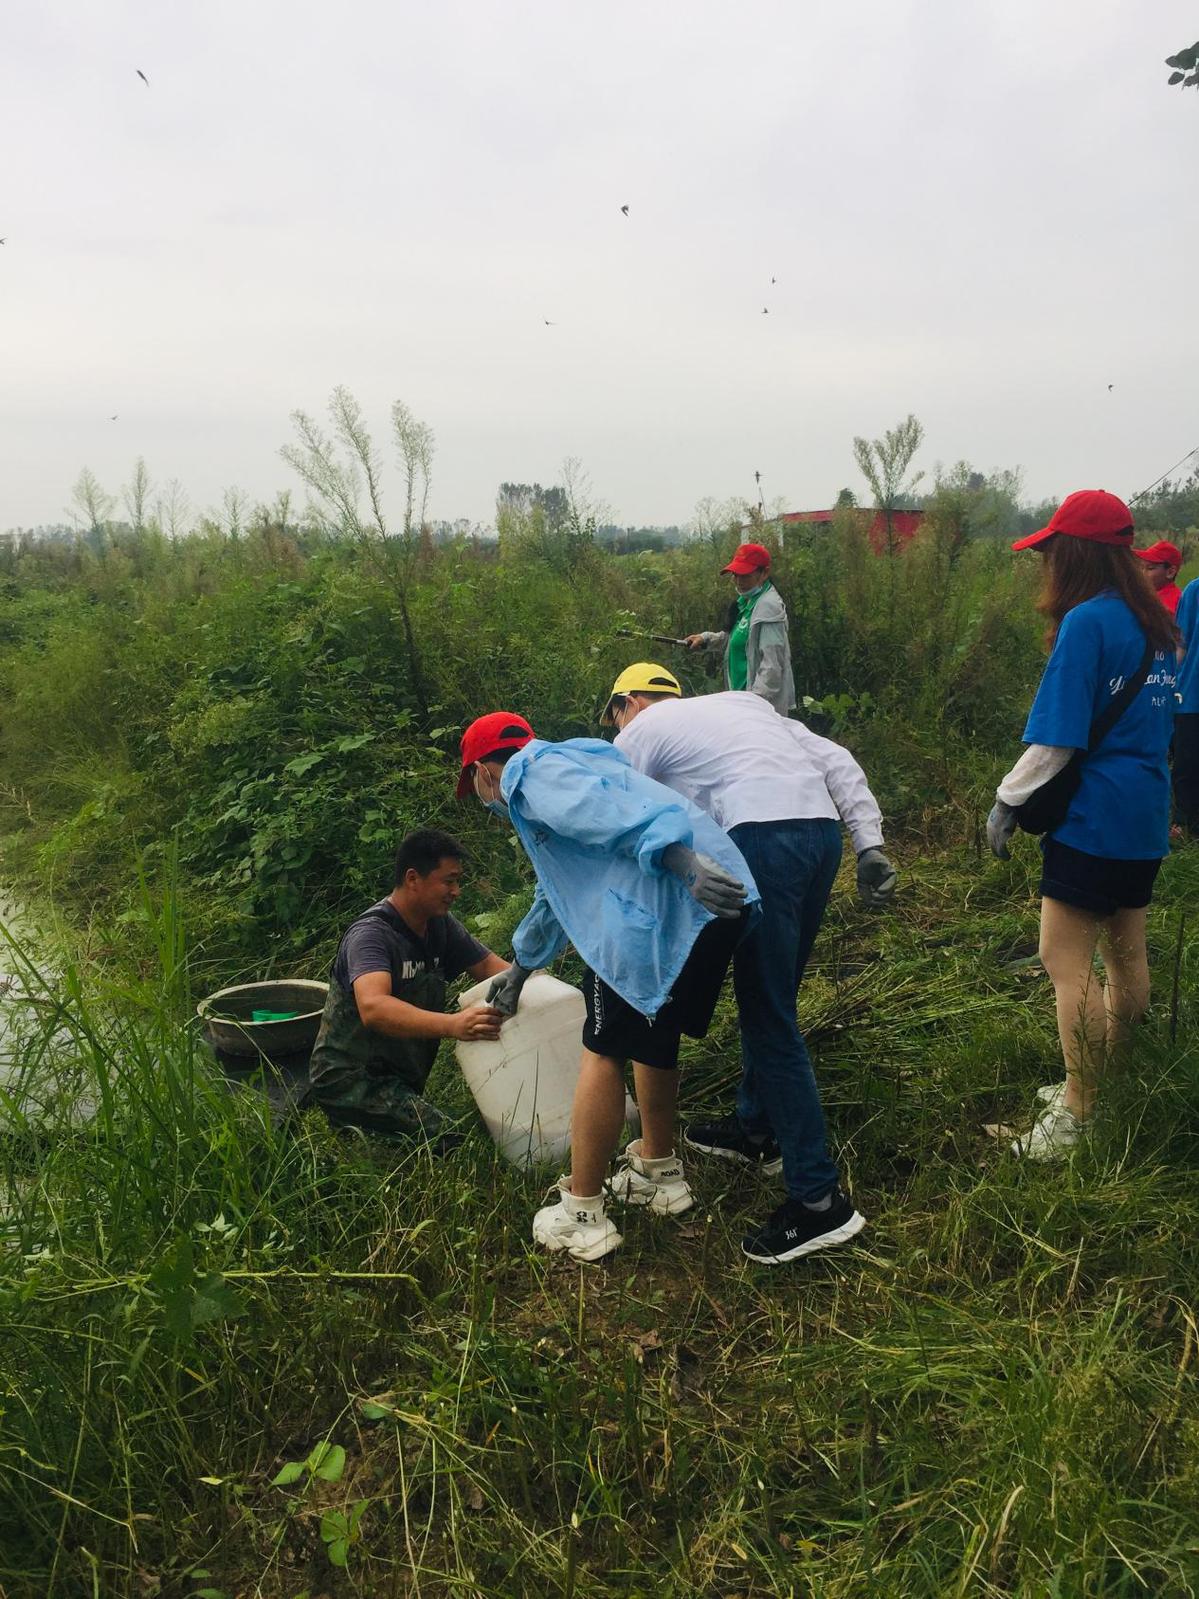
x=234, y=1357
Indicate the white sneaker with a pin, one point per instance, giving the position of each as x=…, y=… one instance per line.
x=1052, y=1093
x=579, y=1226
x=1053, y=1135
x=659, y=1183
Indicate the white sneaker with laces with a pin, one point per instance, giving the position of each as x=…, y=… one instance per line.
x=659, y=1183
x=1052, y=1093
x=1052, y=1136
x=579, y=1226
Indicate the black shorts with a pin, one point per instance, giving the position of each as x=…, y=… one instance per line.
x=1093, y=883
x=614, y=1028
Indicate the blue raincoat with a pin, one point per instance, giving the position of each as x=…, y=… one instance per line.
x=594, y=829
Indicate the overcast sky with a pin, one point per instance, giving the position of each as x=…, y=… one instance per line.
x=982, y=211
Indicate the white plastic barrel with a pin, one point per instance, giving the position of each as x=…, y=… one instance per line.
x=524, y=1081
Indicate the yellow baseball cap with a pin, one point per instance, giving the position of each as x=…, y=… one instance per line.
x=643, y=677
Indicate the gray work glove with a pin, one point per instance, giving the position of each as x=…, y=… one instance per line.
x=505, y=988
x=1001, y=824
x=707, y=883
x=876, y=878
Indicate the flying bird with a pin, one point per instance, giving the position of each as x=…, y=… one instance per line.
x=774, y=280
x=113, y=418
x=624, y=210
x=142, y=76
x=765, y=310
x=548, y=323
x=1109, y=388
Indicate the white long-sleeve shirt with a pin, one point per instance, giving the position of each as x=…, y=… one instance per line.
x=1037, y=765
x=739, y=760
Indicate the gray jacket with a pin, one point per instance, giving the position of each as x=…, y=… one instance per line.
x=767, y=653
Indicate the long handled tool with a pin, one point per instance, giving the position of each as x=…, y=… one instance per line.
x=658, y=638
x=1165, y=474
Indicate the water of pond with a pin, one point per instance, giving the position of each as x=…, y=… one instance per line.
x=16, y=923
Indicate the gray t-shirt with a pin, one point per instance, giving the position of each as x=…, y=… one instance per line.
x=381, y=941
x=347, y=1054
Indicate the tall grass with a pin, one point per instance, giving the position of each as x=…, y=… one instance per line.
x=993, y=1393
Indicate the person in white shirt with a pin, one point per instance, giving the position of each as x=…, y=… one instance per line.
x=782, y=793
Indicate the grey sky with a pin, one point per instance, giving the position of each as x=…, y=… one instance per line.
x=980, y=212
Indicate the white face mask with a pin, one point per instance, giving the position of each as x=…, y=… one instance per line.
x=494, y=803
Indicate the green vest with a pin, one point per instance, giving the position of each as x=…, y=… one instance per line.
x=739, y=637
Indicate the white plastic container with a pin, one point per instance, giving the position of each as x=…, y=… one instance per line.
x=524, y=1081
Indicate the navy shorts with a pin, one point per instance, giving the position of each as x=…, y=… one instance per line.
x=1092, y=882
x=614, y=1028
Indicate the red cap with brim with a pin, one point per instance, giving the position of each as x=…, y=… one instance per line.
x=498, y=730
x=749, y=558
x=1163, y=553
x=1087, y=514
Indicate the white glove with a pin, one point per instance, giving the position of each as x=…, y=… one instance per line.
x=708, y=883
x=504, y=992
x=876, y=877
x=1001, y=824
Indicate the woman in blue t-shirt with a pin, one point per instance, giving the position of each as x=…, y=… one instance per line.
x=1101, y=861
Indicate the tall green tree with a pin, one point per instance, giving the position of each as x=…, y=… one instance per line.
x=336, y=470
x=91, y=506
x=1186, y=67
x=884, y=464
x=136, y=494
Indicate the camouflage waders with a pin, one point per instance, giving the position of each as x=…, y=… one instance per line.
x=373, y=1081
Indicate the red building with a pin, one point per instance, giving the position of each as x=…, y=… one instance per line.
x=903, y=524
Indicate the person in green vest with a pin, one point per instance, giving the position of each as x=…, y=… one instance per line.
x=757, y=649
x=385, y=1013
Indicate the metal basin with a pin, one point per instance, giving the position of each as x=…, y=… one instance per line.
x=226, y=1017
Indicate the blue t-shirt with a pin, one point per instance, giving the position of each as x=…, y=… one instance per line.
x=1188, y=625
x=1121, y=810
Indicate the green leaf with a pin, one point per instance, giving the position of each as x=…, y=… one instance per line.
x=210, y=1593
x=332, y=1464
x=373, y=1412
x=216, y=1300
x=171, y=1281
x=339, y=1551
x=304, y=763
x=333, y=1525
x=291, y=1472
x=1176, y=77
x=353, y=741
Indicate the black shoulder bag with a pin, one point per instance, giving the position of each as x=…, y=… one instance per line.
x=1046, y=807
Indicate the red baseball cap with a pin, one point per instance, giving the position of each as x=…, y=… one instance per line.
x=1163, y=553
x=749, y=558
x=498, y=730
x=1087, y=514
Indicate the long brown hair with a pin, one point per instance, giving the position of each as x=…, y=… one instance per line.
x=1078, y=569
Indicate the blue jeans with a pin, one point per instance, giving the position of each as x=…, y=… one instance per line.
x=794, y=865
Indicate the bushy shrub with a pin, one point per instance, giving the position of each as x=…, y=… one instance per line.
x=256, y=700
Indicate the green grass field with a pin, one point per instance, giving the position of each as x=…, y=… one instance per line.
x=992, y=1392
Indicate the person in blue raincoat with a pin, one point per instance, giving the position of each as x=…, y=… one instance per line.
x=654, y=896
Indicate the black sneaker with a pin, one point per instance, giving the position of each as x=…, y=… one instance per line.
x=794, y=1230
x=727, y=1140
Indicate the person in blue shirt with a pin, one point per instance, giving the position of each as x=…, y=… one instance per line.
x=1186, y=716
x=654, y=896
x=1099, y=863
